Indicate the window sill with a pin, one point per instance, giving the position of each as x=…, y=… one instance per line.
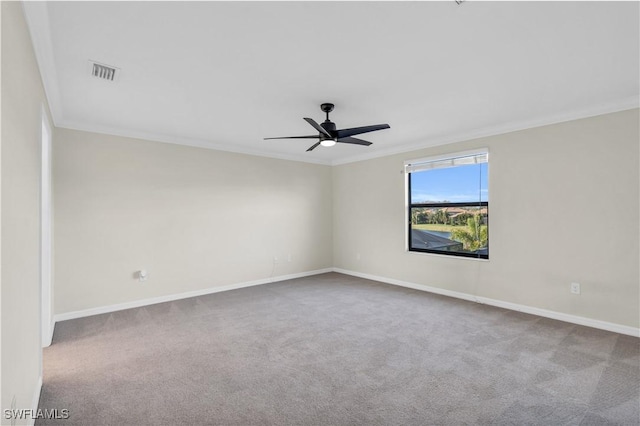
x=445, y=256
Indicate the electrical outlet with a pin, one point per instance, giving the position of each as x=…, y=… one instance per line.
x=575, y=288
x=357, y=256
x=275, y=260
x=289, y=258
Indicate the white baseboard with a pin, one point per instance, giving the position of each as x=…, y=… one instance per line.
x=35, y=401
x=47, y=338
x=171, y=297
x=574, y=319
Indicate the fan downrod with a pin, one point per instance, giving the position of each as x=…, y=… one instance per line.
x=327, y=108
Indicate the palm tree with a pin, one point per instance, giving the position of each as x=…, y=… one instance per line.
x=474, y=237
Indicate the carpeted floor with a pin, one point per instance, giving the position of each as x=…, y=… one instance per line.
x=336, y=350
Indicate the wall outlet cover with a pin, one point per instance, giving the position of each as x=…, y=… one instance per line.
x=575, y=288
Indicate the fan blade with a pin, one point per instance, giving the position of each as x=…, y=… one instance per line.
x=318, y=127
x=356, y=141
x=312, y=147
x=294, y=137
x=358, y=130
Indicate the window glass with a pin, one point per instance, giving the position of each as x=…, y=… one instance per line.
x=449, y=206
x=452, y=184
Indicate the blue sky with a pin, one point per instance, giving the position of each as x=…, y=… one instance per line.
x=455, y=184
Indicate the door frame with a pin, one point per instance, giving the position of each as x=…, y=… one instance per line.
x=46, y=233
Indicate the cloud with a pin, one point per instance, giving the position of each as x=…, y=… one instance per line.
x=418, y=197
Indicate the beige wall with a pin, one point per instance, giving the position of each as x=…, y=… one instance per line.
x=193, y=218
x=563, y=205
x=22, y=101
x=563, y=208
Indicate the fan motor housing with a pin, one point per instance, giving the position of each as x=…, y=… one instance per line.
x=329, y=126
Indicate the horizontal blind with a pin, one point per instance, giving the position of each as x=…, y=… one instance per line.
x=440, y=163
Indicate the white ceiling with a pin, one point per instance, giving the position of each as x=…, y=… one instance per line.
x=227, y=74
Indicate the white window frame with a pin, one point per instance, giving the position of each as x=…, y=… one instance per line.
x=415, y=165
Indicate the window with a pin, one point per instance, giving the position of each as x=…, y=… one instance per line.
x=448, y=204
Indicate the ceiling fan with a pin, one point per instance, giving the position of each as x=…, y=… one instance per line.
x=328, y=134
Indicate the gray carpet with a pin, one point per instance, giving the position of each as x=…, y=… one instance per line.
x=337, y=350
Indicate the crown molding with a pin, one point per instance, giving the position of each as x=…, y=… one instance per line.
x=36, y=15
x=193, y=142
x=612, y=107
x=577, y=114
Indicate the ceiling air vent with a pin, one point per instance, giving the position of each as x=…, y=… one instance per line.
x=104, y=72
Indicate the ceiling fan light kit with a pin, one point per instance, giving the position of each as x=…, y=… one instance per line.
x=328, y=142
x=328, y=135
